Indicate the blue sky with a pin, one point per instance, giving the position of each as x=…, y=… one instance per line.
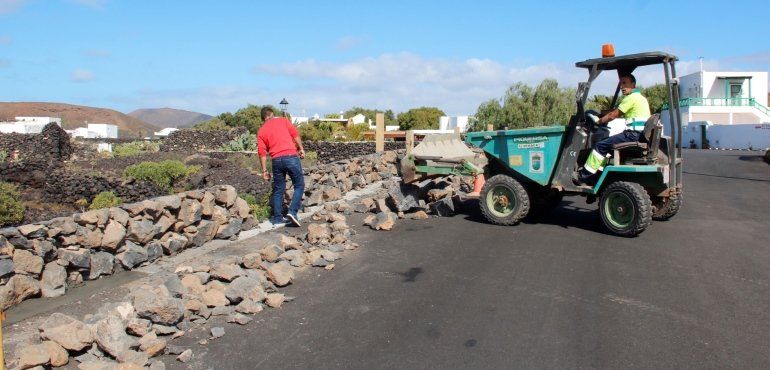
x=327, y=56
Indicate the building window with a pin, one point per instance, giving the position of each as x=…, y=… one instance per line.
x=736, y=92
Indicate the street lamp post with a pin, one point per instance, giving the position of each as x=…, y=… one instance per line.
x=284, y=106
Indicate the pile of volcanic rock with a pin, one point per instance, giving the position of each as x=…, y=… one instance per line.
x=439, y=197
x=48, y=257
x=131, y=334
x=328, y=182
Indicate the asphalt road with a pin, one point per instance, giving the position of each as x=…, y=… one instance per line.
x=693, y=292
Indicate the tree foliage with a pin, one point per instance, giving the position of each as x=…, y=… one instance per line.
x=525, y=106
x=423, y=118
x=656, y=95
x=248, y=117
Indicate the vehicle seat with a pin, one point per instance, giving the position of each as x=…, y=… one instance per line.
x=641, y=152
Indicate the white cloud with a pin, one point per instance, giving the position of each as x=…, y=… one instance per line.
x=11, y=6
x=392, y=81
x=5, y=40
x=82, y=75
x=348, y=42
x=97, y=53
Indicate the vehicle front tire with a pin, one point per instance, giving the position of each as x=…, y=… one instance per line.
x=665, y=208
x=626, y=208
x=503, y=200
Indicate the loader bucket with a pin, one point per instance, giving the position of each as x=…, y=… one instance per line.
x=441, y=154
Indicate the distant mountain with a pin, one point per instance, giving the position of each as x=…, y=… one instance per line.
x=168, y=117
x=74, y=116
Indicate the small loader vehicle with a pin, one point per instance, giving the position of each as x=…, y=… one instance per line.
x=530, y=170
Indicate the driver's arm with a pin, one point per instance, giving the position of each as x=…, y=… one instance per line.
x=611, y=115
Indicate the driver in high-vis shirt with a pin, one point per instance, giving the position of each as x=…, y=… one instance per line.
x=635, y=109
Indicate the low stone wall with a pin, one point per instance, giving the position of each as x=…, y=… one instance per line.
x=67, y=188
x=38, y=154
x=328, y=182
x=337, y=151
x=191, y=140
x=47, y=257
x=44, y=258
x=52, y=143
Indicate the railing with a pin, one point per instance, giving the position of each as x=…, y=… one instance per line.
x=721, y=102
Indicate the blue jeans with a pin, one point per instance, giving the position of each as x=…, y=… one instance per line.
x=604, y=147
x=281, y=167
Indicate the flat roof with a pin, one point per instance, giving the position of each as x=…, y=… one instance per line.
x=627, y=61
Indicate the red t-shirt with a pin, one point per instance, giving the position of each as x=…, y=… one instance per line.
x=276, y=136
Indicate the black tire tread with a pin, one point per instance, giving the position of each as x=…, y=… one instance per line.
x=669, y=207
x=519, y=192
x=640, y=198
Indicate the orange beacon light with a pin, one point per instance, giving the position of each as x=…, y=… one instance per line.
x=608, y=51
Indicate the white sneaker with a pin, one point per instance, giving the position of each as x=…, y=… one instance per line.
x=293, y=219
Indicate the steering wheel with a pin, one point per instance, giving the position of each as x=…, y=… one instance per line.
x=592, y=118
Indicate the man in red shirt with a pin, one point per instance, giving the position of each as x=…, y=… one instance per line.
x=279, y=138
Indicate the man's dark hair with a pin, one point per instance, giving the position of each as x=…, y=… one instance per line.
x=266, y=111
x=631, y=77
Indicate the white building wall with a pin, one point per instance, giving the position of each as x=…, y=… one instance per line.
x=713, y=85
x=82, y=132
x=39, y=120
x=166, y=131
x=358, y=119
x=103, y=130
x=450, y=122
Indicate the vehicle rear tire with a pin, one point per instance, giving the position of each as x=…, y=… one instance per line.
x=665, y=208
x=503, y=200
x=626, y=208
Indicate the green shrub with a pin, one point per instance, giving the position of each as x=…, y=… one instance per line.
x=245, y=143
x=260, y=209
x=321, y=131
x=356, y=132
x=3, y=156
x=105, y=199
x=134, y=148
x=11, y=207
x=163, y=174
x=311, y=155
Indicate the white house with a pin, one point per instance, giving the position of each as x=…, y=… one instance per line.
x=448, y=123
x=725, y=98
x=28, y=125
x=166, y=131
x=95, y=131
x=723, y=110
x=357, y=119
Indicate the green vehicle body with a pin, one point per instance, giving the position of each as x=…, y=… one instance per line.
x=534, y=153
x=531, y=169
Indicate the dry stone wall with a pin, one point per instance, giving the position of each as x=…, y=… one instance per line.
x=68, y=188
x=337, y=151
x=43, y=259
x=38, y=155
x=191, y=140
